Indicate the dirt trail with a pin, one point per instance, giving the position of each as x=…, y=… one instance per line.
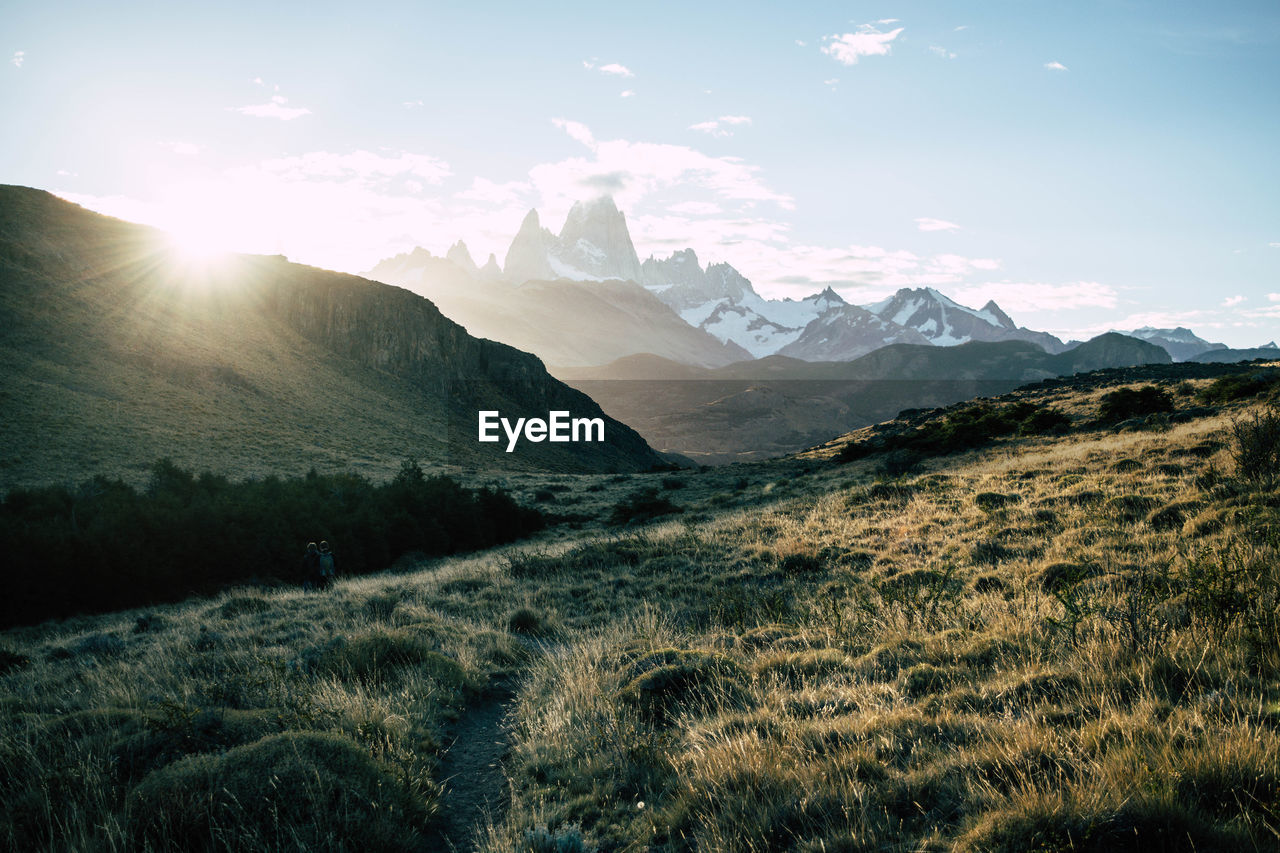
x=475, y=786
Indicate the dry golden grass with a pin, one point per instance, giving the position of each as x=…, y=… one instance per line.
x=1053, y=643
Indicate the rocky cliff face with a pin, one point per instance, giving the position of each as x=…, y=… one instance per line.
x=529, y=256
x=594, y=244
x=596, y=241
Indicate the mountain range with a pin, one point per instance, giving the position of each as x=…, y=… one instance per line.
x=117, y=351
x=574, y=299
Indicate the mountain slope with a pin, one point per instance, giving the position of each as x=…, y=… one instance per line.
x=775, y=405
x=563, y=322
x=117, y=352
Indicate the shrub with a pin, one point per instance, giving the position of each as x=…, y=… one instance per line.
x=375, y=655
x=1125, y=403
x=527, y=621
x=11, y=661
x=1237, y=386
x=1255, y=447
x=106, y=546
x=641, y=506
x=991, y=501
x=674, y=680
x=294, y=790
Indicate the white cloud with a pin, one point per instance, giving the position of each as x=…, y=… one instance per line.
x=631, y=171
x=937, y=50
x=696, y=208
x=19, y=57
x=613, y=68
x=831, y=81
x=511, y=192
x=1039, y=296
x=1273, y=297
x=867, y=41
x=274, y=108
x=926, y=223
x=627, y=93
x=412, y=105
x=576, y=130
x=961, y=28
x=1274, y=245
x=802, y=43
x=1055, y=66
x=362, y=166
x=715, y=127
x=67, y=174
x=1232, y=301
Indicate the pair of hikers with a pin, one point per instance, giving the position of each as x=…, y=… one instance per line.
x=318, y=568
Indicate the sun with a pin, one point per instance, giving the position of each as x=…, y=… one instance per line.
x=197, y=247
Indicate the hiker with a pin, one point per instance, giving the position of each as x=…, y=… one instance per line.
x=327, y=571
x=311, y=567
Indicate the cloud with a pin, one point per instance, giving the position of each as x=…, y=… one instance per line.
x=1274, y=245
x=511, y=192
x=926, y=223
x=715, y=127
x=1273, y=297
x=1056, y=66
x=362, y=166
x=1039, y=296
x=64, y=173
x=613, y=68
x=576, y=130
x=941, y=51
x=19, y=57
x=848, y=48
x=1232, y=301
x=632, y=171
x=274, y=108
x=627, y=93
x=412, y=105
x=802, y=43
x=696, y=208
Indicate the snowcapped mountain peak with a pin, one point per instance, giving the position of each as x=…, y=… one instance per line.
x=945, y=322
x=593, y=245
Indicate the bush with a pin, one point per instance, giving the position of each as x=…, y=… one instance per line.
x=1125, y=403
x=642, y=505
x=375, y=655
x=1238, y=386
x=295, y=790
x=1255, y=447
x=107, y=546
x=674, y=680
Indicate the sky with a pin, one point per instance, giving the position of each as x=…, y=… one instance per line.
x=1089, y=165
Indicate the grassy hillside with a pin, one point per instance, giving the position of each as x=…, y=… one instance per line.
x=1045, y=642
x=116, y=351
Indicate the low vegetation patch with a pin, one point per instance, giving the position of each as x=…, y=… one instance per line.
x=106, y=546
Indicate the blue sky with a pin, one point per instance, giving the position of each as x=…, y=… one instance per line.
x=1088, y=165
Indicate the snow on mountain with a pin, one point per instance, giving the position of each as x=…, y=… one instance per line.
x=845, y=332
x=1181, y=342
x=593, y=245
x=945, y=322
